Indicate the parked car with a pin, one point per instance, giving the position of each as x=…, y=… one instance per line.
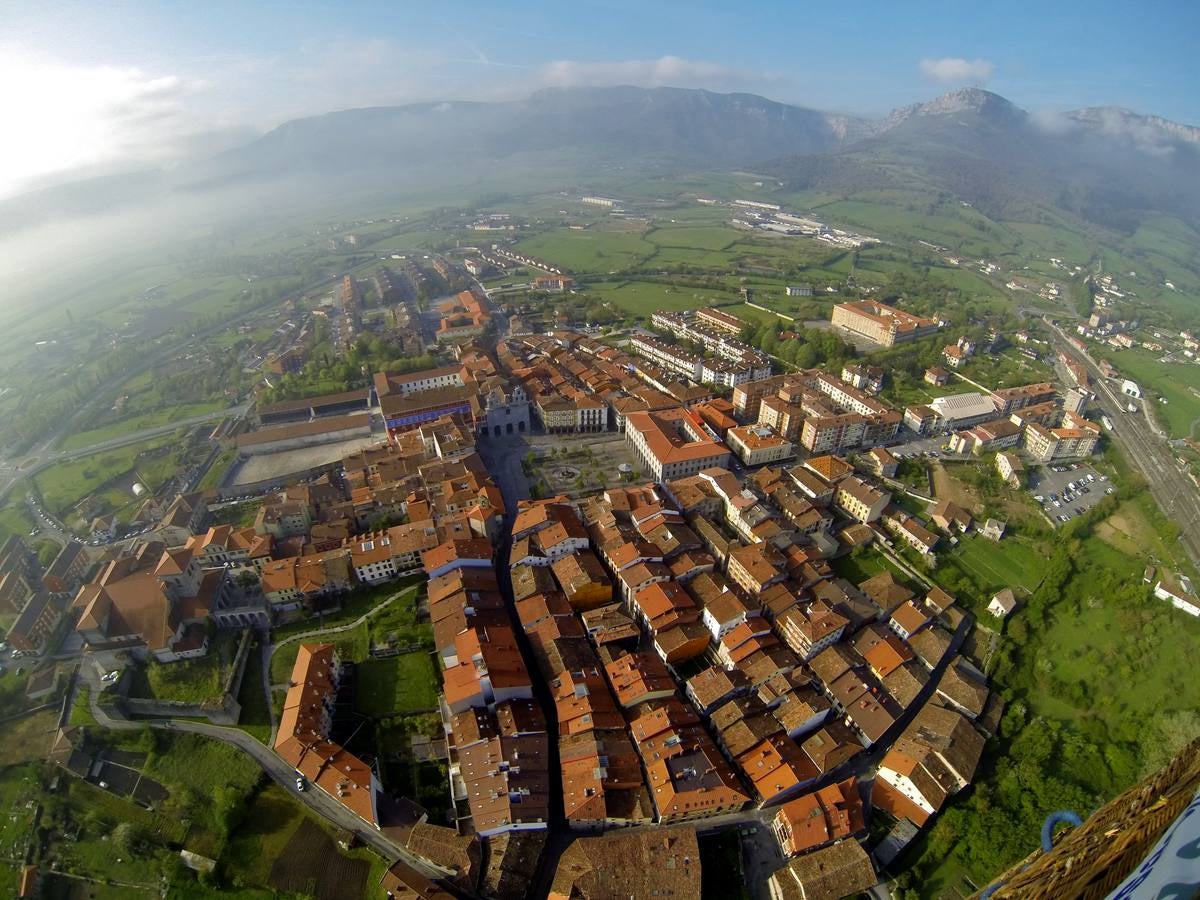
x=301, y=786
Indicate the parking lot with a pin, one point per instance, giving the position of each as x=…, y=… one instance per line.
x=918, y=446
x=1067, y=491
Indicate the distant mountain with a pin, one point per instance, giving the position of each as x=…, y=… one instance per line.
x=969, y=101
x=1105, y=164
x=563, y=132
x=1108, y=166
x=672, y=126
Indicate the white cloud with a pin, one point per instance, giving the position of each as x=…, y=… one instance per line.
x=955, y=70
x=60, y=116
x=670, y=71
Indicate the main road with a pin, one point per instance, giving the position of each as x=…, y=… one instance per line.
x=1149, y=454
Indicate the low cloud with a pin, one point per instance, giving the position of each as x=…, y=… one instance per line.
x=1148, y=134
x=66, y=116
x=666, y=71
x=93, y=119
x=956, y=70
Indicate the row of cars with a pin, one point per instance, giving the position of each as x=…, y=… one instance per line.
x=1072, y=493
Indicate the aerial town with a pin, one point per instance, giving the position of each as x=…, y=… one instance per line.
x=675, y=646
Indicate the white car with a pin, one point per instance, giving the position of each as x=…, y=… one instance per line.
x=300, y=785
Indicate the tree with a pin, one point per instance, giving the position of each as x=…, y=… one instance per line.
x=128, y=838
x=246, y=579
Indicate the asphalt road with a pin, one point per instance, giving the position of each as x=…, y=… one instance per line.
x=1149, y=454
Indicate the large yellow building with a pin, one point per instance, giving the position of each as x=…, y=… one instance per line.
x=881, y=324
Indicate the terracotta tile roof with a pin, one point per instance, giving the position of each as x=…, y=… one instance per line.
x=646, y=863
x=910, y=617
x=456, y=550
x=886, y=591
x=665, y=602
x=841, y=870
x=832, y=662
x=681, y=642
x=638, y=677
x=800, y=707
x=746, y=733
x=906, y=682
x=301, y=738
x=813, y=820
x=888, y=655
x=607, y=624
x=777, y=766
x=716, y=684
x=830, y=468
x=472, y=579
x=832, y=745
x=930, y=645
x=964, y=688
x=528, y=580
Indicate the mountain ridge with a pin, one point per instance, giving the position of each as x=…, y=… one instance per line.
x=657, y=129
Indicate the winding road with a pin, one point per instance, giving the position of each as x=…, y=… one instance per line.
x=279, y=771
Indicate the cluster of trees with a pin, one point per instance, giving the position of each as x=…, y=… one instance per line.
x=327, y=373
x=813, y=347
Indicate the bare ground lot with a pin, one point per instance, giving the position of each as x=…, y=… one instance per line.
x=311, y=864
x=279, y=466
x=947, y=487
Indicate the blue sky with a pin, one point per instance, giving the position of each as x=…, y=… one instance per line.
x=114, y=82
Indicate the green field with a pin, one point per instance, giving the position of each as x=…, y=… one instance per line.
x=64, y=484
x=1088, y=665
x=15, y=517
x=994, y=565
x=643, y=298
x=1051, y=240
x=188, y=681
x=396, y=619
x=1177, y=382
x=694, y=237
x=154, y=419
x=400, y=684
x=217, y=471
x=593, y=251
